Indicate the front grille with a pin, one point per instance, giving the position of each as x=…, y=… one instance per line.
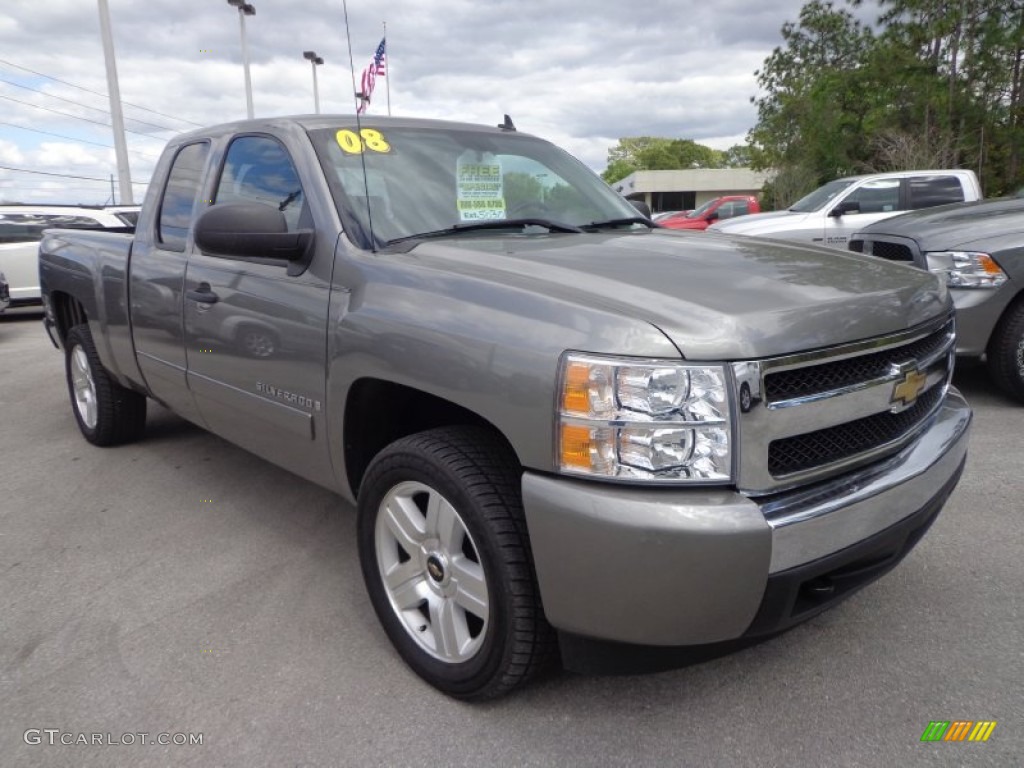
x=856, y=245
x=891, y=251
x=826, y=446
x=826, y=377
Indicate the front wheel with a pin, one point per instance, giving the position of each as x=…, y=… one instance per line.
x=106, y=412
x=446, y=560
x=1006, y=353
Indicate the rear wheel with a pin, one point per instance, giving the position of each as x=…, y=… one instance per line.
x=446, y=560
x=106, y=412
x=1006, y=352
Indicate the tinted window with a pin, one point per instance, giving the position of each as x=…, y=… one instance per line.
x=180, y=195
x=928, y=191
x=28, y=227
x=259, y=170
x=879, y=196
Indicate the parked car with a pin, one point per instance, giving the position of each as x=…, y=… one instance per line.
x=718, y=209
x=978, y=249
x=567, y=432
x=21, y=229
x=833, y=212
x=5, y=293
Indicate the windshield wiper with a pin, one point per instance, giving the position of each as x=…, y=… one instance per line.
x=458, y=229
x=617, y=222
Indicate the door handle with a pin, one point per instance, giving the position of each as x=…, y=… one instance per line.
x=203, y=294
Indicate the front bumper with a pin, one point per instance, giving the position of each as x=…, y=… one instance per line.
x=663, y=567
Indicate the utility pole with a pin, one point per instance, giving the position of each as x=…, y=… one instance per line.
x=124, y=176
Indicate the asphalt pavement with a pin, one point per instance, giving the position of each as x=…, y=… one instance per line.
x=184, y=589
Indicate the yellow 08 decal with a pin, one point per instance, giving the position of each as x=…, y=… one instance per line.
x=368, y=138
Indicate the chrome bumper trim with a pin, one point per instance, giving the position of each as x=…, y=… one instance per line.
x=815, y=522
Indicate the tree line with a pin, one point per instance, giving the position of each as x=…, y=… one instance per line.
x=933, y=84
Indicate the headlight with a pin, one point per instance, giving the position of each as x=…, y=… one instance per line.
x=966, y=269
x=644, y=420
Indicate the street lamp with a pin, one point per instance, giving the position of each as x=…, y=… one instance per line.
x=245, y=9
x=313, y=61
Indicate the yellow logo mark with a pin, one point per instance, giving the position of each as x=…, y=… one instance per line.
x=909, y=388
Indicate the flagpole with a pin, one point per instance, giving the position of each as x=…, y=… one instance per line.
x=387, y=75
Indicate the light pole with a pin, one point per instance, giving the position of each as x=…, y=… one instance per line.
x=313, y=61
x=124, y=179
x=245, y=9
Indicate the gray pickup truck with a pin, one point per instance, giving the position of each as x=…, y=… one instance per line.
x=567, y=432
x=978, y=249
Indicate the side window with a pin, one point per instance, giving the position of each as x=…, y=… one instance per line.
x=258, y=170
x=183, y=183
x=741, y=208
x=879, y=196
x=28, y=227
x=727, y=210
x=928, y=191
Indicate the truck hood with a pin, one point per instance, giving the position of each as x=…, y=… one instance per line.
x=716, y=298
x=761, y=223
x=953, y=226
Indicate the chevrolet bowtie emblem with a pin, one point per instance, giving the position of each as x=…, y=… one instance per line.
x=907, y=390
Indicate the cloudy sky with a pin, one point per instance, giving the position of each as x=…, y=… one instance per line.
x=581, y=73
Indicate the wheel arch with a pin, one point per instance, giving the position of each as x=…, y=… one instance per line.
x=378, y=412
x=67, y=313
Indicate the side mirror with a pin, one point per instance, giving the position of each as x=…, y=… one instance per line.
x=847, y=206
x=642, y=207
x=713, y=216
x=253, y=231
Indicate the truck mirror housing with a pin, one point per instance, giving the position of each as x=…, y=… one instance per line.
x=643, y=207
x=252, y=231
x=847, y=206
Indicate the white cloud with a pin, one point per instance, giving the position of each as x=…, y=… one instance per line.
x=580, y=73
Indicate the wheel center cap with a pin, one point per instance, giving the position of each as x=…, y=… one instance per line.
x=435, y=568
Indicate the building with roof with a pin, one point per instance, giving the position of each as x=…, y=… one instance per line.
x=690, y=188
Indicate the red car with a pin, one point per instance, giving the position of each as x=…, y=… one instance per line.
x=713, y=210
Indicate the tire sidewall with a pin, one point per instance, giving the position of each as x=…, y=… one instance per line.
x=78, y=339
x=384, y=474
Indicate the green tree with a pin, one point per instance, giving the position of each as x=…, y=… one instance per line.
x=649, y=153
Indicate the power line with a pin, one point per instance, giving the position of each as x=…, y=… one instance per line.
x=85, y=106
x=72, y=138
x=64, y=175
x=97, y=93
x=77, y=117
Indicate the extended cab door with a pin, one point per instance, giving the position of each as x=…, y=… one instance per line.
x=866, y=203
x=157, y=280
x=255, y=335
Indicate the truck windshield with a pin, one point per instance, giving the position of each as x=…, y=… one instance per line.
x=421, y=180
x=821, y=196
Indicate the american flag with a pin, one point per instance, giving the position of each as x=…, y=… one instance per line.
x=377, y=68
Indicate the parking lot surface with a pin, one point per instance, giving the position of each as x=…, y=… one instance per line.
x=182, y=586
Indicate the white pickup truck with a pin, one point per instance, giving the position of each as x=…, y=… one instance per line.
x=833, y=212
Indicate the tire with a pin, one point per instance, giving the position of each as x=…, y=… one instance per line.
x=106, y=412
x=1006, y=352
x=441, y=512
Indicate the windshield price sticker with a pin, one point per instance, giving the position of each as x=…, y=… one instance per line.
x=480, y=191
x=353, y=143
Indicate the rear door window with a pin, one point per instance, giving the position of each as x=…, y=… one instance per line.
x=929, y=191
x=180, y=195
